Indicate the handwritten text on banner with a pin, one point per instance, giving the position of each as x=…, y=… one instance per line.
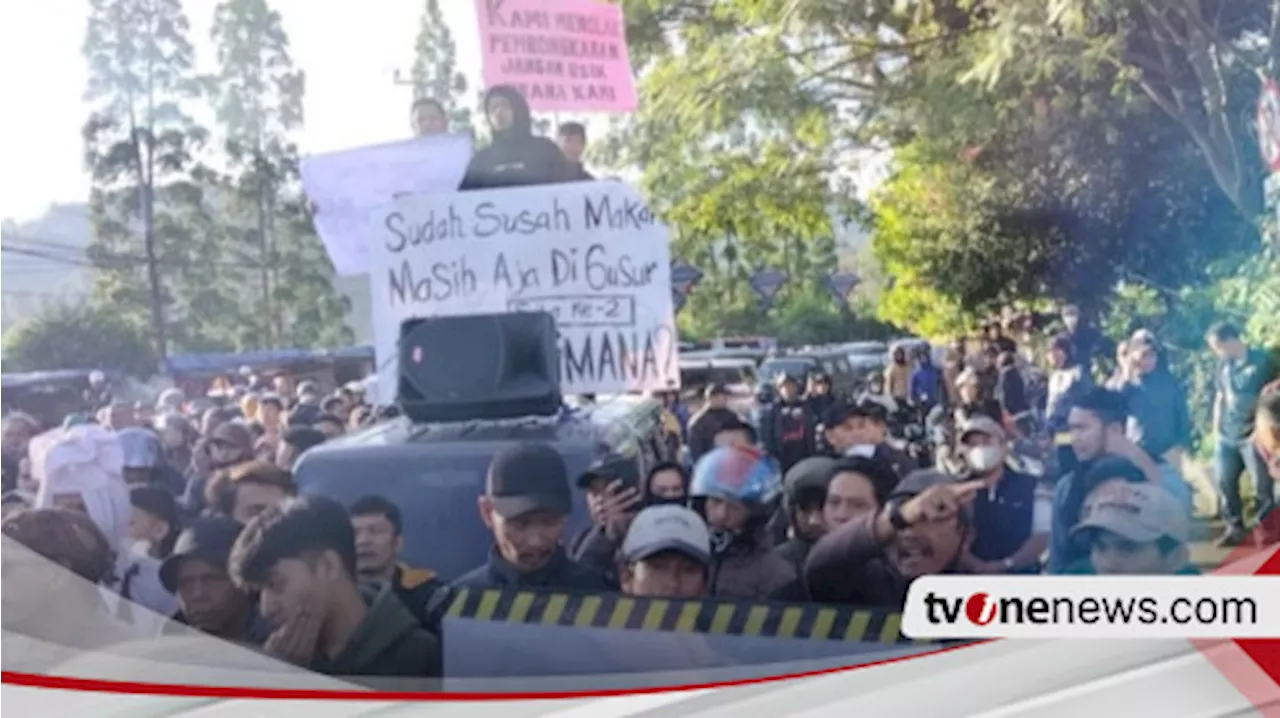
x=345, y=186
x=564, y=56
x=590, y=253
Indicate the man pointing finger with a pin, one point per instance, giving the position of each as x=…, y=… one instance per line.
x=924, y=529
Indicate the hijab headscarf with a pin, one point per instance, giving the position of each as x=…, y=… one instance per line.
x=87, y=460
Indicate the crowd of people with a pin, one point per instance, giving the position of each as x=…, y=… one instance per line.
x=1034, y=465
x=201, y=522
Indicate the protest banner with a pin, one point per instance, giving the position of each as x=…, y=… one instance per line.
x=345, y=186
x=566, y=55
x=589, y=253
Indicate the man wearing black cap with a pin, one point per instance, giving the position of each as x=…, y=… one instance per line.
x=612, y=485
x=705, y=424
x=924, y=529
x=861, y=429
x=525, y=503
x=208, y=600
x=789, y=431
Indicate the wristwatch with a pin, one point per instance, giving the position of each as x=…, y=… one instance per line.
x=1008, y=564
x=896, y=519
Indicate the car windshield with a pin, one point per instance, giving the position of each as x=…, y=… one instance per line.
x=799, y=368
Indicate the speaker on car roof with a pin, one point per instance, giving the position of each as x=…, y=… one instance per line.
x=479, y=366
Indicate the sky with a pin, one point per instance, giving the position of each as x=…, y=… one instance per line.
x=350, y=52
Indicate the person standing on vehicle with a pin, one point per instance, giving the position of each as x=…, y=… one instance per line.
x=790, y=434
x=526, y=503
x=572, y=138
x=734, y=489
x=515, y=157
x=706, y=423
x=1012, y=517
x=1242, y=374
x=300, y=557
x=427, y=117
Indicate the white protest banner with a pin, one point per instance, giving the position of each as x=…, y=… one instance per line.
x=345, y=186
x=590, y=253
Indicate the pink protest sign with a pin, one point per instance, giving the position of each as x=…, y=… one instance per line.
x=564, y=55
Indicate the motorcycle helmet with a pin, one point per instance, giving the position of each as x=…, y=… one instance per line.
x=738, y=473
x=741, y=474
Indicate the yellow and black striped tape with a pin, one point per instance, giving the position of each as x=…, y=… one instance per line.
x=765, y=620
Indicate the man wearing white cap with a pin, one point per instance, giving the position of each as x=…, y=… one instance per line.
x=1133, y=529
x=666, y=554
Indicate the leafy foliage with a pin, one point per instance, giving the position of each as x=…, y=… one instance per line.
x=78, y=336
x=140, y=147
x=259, y=97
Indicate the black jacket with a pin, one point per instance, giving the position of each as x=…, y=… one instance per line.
x=703, y=427
x=593, y=549
x=390, y=642
x=848, y=566
x=560, y=572
x=415, y=588
x=517, y=158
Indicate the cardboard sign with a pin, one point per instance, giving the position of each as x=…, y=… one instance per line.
x=345, y=186
x=566, y=55
x=589, y=253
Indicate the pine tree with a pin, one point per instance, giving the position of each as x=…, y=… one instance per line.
x=139, y=147
x=258, y=100
x=435, y=67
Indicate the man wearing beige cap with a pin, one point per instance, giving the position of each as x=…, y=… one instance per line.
x=1133, y=529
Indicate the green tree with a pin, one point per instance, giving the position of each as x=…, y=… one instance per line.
x=258, y=94
x=1037, y=172
x=79, y=336
x=139, y=147
x=740, y=153
x=1199, y=61
x=435, y=67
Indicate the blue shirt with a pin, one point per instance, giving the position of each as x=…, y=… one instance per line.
x=926, y=384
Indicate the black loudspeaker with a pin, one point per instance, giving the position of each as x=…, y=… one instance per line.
x=479, y=366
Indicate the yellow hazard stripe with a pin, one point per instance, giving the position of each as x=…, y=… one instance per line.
x=785, y=621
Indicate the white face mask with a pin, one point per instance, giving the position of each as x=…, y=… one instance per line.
x=983, y=459
x=866, y=451
x=140, y=547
